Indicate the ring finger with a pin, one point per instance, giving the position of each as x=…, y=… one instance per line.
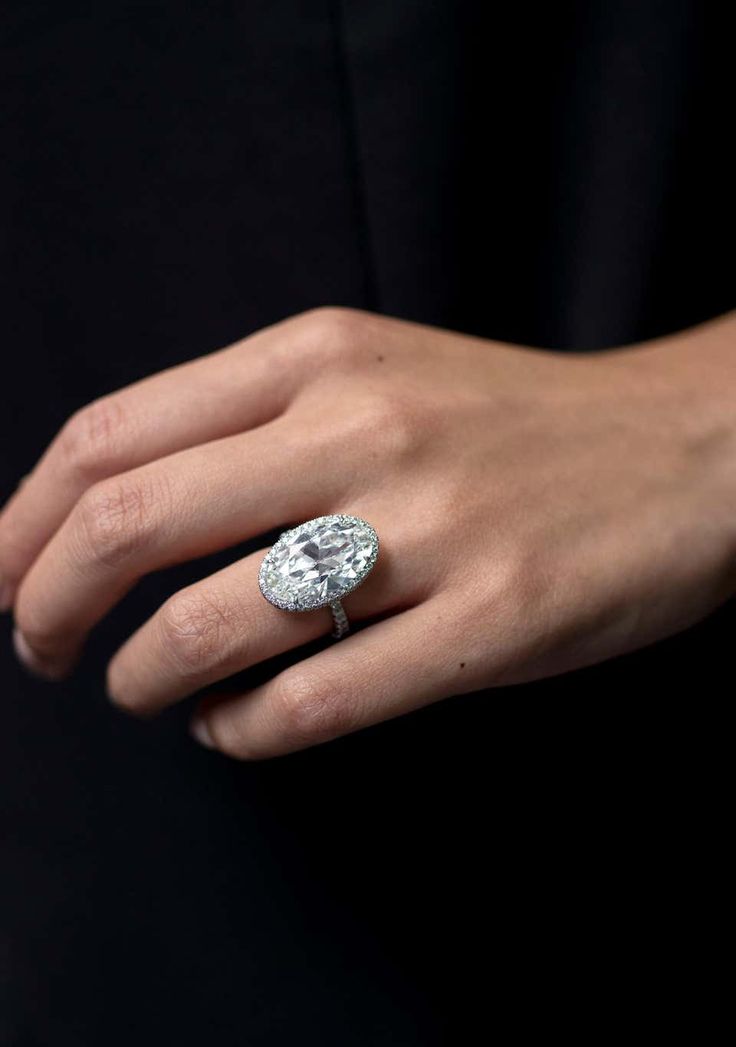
x=222, y=625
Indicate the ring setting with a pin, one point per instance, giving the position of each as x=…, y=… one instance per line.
x=317, y=563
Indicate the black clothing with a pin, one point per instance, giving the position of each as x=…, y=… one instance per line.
x=174, y=176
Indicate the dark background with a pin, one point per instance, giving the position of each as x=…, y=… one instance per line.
x=175, y=175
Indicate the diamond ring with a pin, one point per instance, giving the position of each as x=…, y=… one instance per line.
x=317, y=563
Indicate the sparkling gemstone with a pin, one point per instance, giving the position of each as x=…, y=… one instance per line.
x=318, y=562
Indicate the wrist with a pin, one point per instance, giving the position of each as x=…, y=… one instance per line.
x=696, y=365
x=689, y=376
x=684, y=385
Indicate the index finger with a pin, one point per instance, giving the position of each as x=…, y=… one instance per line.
x=229, y=391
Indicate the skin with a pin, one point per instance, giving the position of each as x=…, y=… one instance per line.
x=538, y=511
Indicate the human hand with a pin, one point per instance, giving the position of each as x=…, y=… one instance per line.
x=537, y=511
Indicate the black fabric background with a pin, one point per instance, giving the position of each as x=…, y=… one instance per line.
x=175, y=175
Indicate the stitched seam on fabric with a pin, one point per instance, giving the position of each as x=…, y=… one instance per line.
x=355, y=166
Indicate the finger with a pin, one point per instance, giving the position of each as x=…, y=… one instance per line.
x=223, y=625
x=389, y=668
x=229, y=391
x=185, y=506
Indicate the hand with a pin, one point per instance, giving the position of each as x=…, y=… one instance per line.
x=537, y=512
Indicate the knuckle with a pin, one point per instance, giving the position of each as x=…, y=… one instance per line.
x=529, y=575
x=516, y=603
x=92, y=439
x=333, y=332
x=393, y=425
x=311, y=708
x=117, y=518
x=196, y=631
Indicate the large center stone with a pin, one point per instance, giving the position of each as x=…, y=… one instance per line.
x=319, y=561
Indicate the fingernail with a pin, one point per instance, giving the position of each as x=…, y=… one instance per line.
x=198, y=730
x=7, y=595
x=34, y=662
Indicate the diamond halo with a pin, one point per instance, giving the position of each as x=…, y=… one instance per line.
x=317, y=563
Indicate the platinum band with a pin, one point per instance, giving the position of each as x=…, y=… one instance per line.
x=339, y=620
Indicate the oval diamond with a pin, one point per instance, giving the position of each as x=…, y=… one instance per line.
x=318, y=562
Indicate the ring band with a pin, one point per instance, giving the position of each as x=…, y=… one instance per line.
x=340, y=623
x=317, y=563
